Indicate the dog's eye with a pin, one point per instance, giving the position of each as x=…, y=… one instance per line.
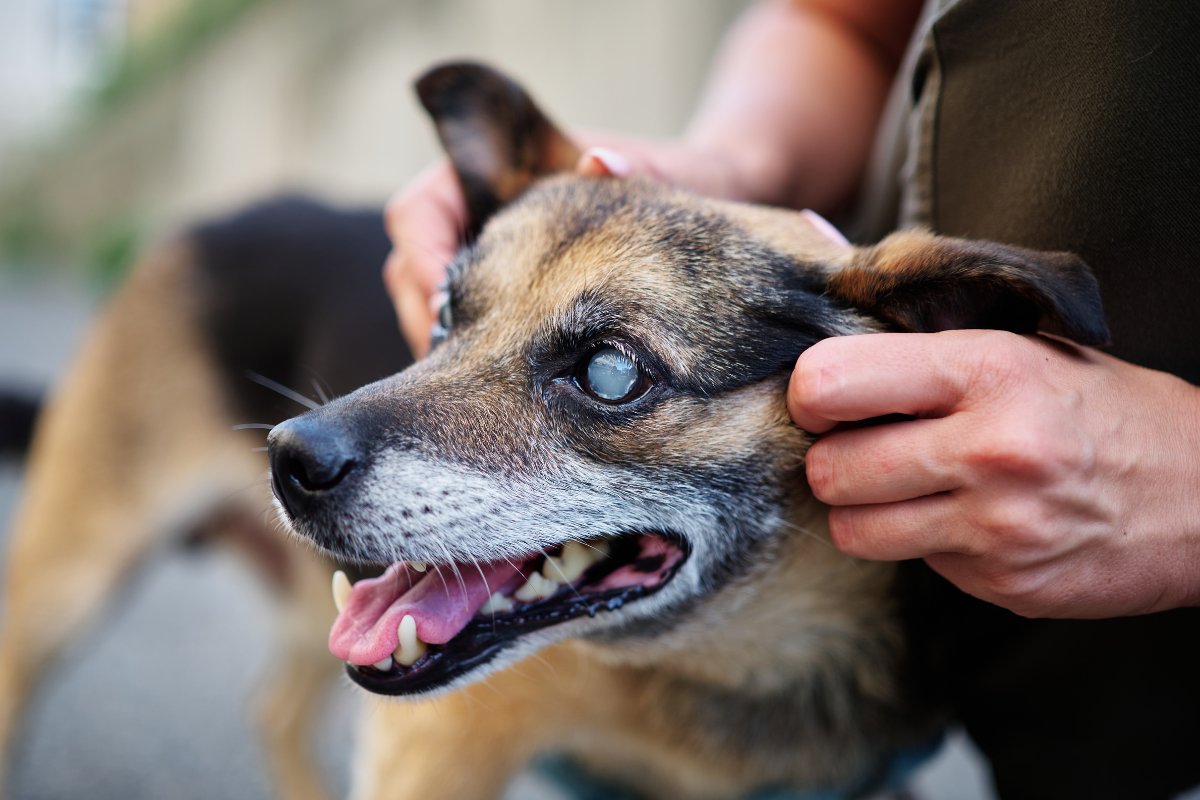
x=612, y=377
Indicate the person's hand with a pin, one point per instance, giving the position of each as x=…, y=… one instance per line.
x=1047, y=478
x=425, y=221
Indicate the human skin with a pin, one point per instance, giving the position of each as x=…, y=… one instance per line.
x=1045, y=477
x=1050, y=479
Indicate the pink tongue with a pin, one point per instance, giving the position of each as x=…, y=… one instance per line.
x=441, y=604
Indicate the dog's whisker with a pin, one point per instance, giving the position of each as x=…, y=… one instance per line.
x=482, y=577
x=803, y=531
x=508, y=561
x=279, y=388
x=246, y=426
x=552, y=562
x=454, y=568
x=489, y=708
x=438, y=570
x=604, y=553
x=320, y=391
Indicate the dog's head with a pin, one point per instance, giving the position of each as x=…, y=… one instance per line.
x=599, y=447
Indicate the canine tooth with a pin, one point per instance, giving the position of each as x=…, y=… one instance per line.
x=537, y=587
x=341, y=590
x=384, y=664
x=497, y=603
x=575, y=559
x=410, y=648
x=419, y=566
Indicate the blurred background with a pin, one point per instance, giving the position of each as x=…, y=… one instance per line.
x=122, y=120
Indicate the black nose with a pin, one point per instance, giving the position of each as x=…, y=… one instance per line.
x=309, y=459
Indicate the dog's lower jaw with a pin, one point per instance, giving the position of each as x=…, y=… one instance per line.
x=798, y=689
x=655, y=728
x=770, y=684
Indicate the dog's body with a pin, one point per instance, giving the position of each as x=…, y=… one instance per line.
x=612, y=385
x=141, y=443
x=613, y=378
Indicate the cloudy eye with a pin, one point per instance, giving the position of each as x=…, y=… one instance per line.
x=612, y=377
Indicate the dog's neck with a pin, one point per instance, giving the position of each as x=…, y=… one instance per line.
x=796, y=684
x=802, y=604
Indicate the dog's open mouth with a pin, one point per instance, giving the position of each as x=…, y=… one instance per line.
x=417, y=627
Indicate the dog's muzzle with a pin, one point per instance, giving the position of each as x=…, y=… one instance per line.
x=420, y=626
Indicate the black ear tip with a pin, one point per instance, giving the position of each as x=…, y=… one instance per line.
x=1075, y=295
x=1094, y=332
x=444, y=84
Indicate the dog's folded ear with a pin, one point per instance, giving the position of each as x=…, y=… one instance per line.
x=497, y=138
x=921, y=282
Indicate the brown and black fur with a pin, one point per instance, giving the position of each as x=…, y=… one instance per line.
x=778, y=662
x=771, y=660
x=138, y=446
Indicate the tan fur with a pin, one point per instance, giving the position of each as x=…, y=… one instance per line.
x=786, y=673
x=657, y=714
x=135, y=447
x=638, y=724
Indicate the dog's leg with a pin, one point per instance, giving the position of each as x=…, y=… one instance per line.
x=294, y=694
x=134, y=429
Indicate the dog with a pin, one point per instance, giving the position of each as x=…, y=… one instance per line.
x=151, y=440
x=607, y=406
x=589, y=506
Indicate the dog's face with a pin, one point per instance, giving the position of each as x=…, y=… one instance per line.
x=600, y=446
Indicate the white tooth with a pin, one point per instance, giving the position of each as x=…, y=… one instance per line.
x=553, y=567
x=574, y=560
x=497, y=603
x=384, y=664
x=341, y=590
x=537, y=587
x=410, y=648
x=419, y=566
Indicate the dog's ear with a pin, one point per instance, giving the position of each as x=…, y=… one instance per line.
x=921, y=282
x=497, y=138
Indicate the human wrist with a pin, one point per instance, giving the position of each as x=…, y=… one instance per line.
x=1186, y=409
x=1166, y=484
x=742, y=166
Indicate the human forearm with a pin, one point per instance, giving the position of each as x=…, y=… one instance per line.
x=795, y=95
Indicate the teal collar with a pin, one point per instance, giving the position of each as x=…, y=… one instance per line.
x=575, y=783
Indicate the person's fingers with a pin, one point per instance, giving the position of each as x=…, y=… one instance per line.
x=425, y=221
x=412, y=310
x=898, y=531
x=675, y=163
x=598, y=162
x=641, y=159
x=851, y=378
x=884, y=464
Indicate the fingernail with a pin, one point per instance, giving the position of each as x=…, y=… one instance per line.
x=599, y=161
x=825, y=227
